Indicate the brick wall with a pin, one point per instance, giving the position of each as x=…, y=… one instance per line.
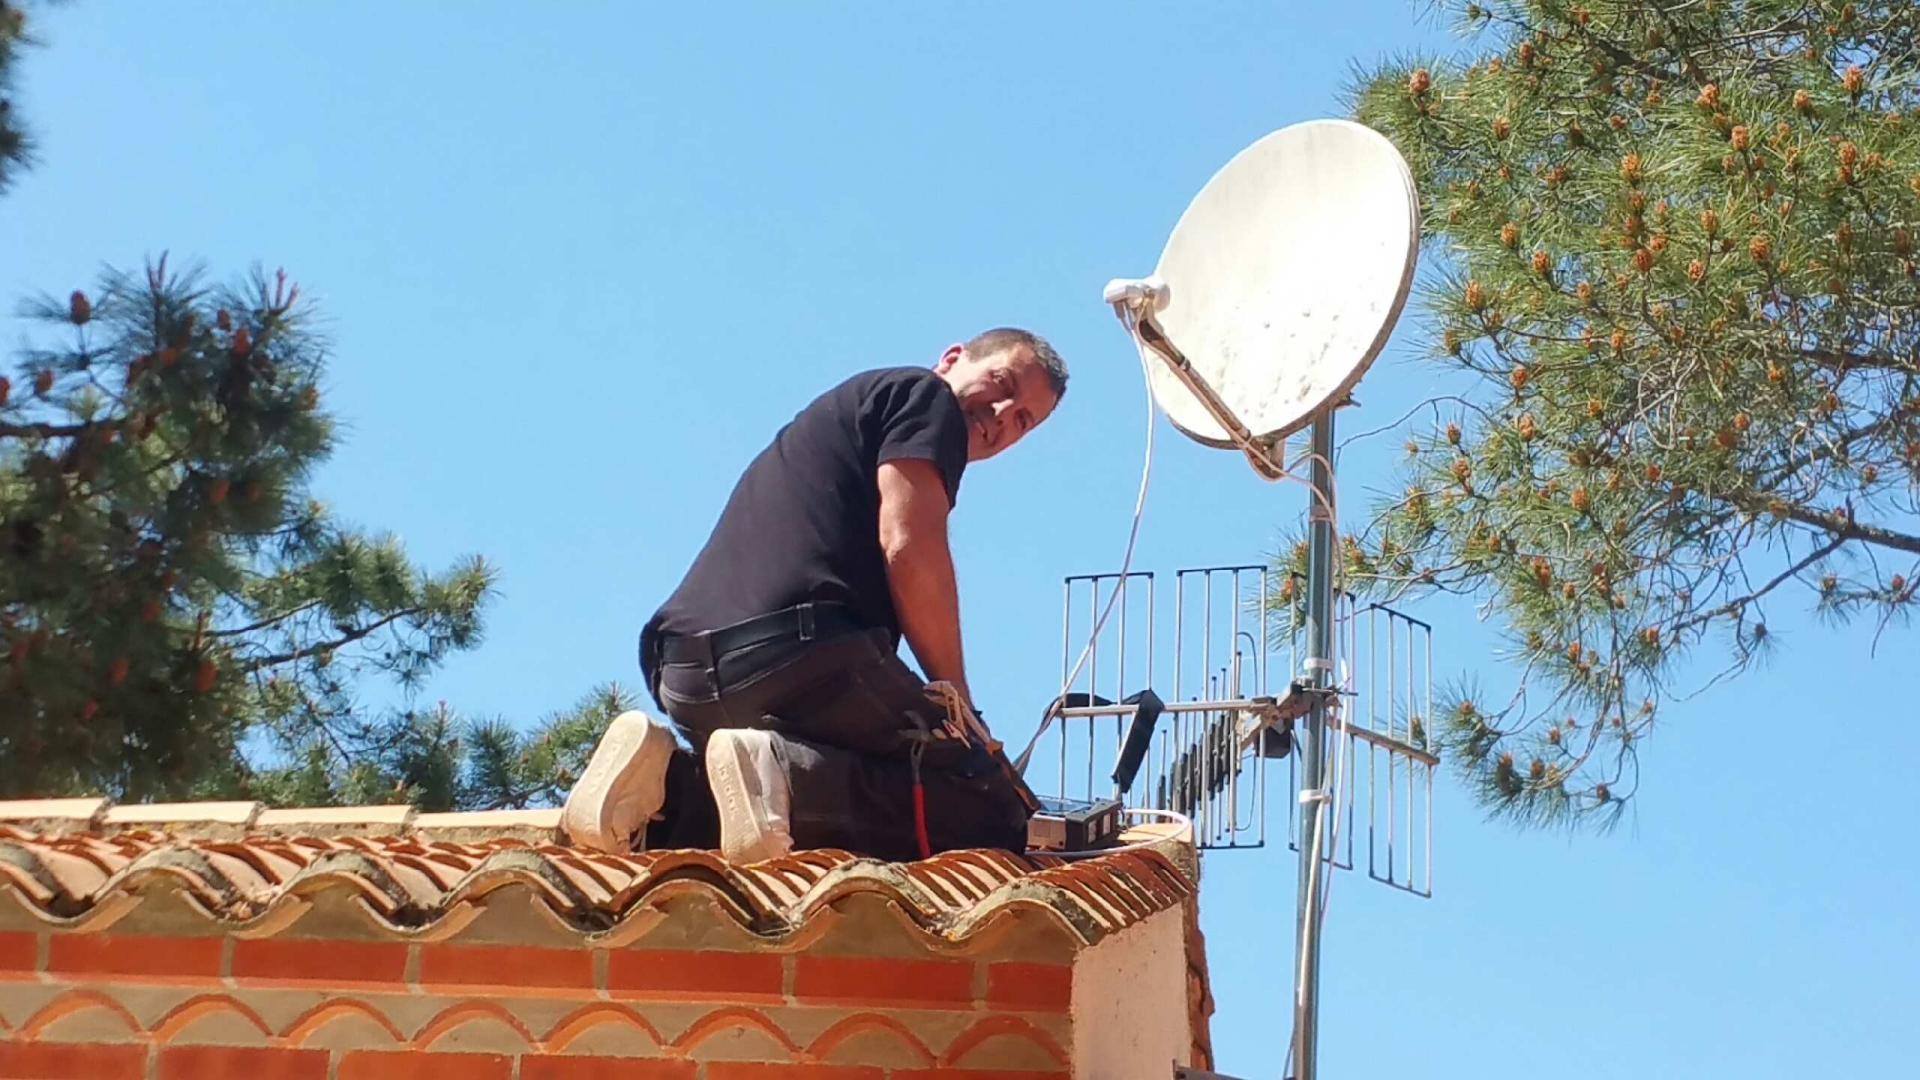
x=212, y=941
x=155, y=1006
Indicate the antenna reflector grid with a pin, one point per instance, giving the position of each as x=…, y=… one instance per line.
x=1385, y=719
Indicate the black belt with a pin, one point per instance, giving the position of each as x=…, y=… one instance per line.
x=802, y=622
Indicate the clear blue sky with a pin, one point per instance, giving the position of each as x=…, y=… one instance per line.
x=581, y=261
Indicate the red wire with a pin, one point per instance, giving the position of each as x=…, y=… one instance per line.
x=920, y=818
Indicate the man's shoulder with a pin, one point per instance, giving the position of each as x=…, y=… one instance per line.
x=890, y=392
x=892, y=377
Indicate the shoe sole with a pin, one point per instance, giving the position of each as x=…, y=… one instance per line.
x=731, y=774
x=628, y=769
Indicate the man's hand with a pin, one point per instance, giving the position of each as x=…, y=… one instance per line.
x=962, y=722
x=913, y=539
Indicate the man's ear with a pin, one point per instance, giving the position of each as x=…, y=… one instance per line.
x=949, y=358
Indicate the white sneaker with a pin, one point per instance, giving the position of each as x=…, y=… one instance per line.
x=751, y=790
x=623, y=788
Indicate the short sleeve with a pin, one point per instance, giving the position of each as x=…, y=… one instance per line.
x=914, y=415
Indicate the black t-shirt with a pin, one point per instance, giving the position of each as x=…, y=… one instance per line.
x=803, y=523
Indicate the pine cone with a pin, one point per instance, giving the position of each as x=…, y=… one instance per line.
x=79, y=310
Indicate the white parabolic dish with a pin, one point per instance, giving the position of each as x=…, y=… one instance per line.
x=1285, y=276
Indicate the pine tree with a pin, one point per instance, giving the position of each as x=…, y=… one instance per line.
x=1677, y=250
x=178, y=617
x=15, y=149
x=168, y=588
x=438, y=761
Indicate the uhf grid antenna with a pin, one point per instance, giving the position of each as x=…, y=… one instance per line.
x=1277, y=288
x=1232, y=706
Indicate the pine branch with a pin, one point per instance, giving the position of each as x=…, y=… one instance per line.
x=1850, y=361
x=1843, y=526
x=46, y=431
x=1742, y=602
x=269, y=621
x=345, y=639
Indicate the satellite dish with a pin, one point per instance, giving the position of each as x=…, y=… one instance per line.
x=1275, y=292
x=1280, y=283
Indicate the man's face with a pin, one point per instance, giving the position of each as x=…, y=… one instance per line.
x=1005, y=394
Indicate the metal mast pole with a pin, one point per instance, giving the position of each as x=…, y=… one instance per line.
x=1314, y=805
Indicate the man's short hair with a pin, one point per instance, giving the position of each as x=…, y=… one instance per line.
x=1006, y=337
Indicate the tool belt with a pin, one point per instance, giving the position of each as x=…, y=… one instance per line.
x=811, y=621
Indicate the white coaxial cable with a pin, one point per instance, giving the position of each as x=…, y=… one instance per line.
x=1125, y=310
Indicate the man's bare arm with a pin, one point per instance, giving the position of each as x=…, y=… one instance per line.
x=913, y=538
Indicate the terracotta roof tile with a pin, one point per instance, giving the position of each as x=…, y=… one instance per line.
x=412, y=881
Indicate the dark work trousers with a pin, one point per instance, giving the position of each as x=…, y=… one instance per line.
x=842, y=707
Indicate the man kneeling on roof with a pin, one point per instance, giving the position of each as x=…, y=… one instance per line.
x=776, y=656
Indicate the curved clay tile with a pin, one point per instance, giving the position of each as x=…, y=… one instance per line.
x=729, y=1018
x=410, y=884
x=576, y=1025
x=309, y=1024
x=447, y=1022
x=823, y=1045
x=197, y=1009
x=995, y=1027
x=73, y=1003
